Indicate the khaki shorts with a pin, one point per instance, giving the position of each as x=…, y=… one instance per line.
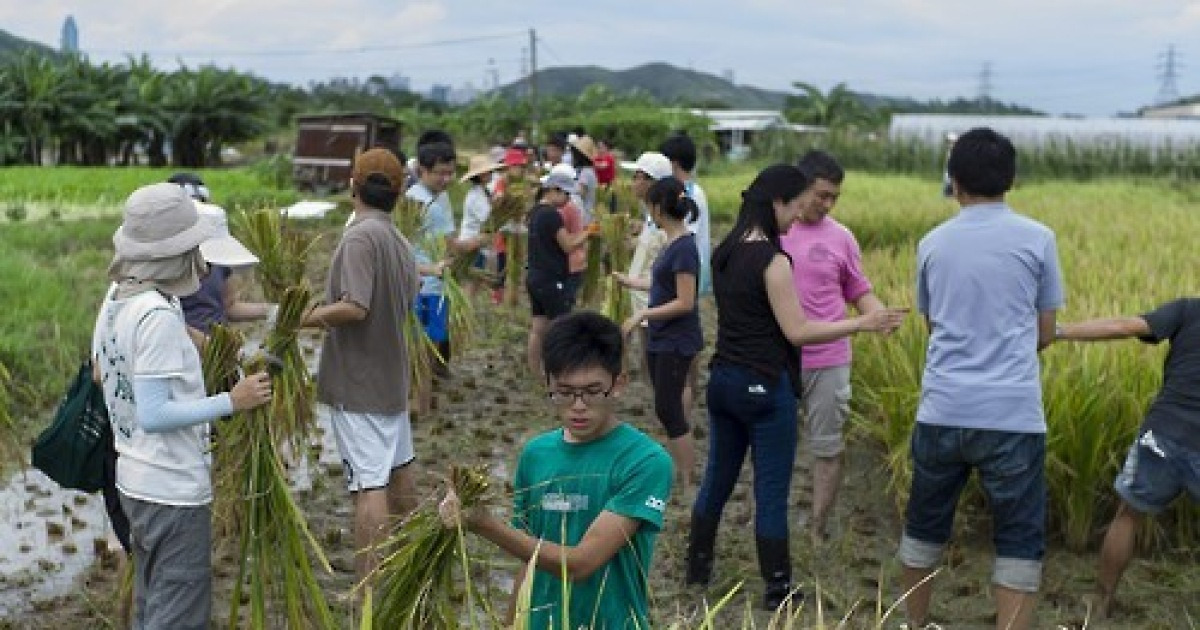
x=371, y=445
x=825, y=404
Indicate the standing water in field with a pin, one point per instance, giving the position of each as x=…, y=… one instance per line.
x=48, y=538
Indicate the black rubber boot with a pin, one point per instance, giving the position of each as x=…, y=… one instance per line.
x=701, y=539
x=775, y=564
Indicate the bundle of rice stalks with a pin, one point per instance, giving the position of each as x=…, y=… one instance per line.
x=421, y=350
x=615, y=228
x=415, y=586
x=282, y=252
x=616, y=304
x=274, y=546
x=593, y=274
x=462, y=310
x=508, y=209
x=623, y=201
x=516, y=244
x=410, y=217
x=291, y=405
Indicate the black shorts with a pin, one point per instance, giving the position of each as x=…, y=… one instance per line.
x=549, y=298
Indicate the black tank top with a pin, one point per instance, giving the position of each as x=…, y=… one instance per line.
x=747, y=333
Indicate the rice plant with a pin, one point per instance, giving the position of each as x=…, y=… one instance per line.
x=282, y=252
x=414, y=585
x=254, y=509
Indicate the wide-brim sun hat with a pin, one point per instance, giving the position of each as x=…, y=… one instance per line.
x=586, y=146
x=480, y=164
x=562, y=177
x=652, y=163
x=222, y=248
x=160, y=221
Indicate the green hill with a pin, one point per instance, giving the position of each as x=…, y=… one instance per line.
x=10, y=44
x=666, y=83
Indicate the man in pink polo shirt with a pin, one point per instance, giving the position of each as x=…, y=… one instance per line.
x=827, y=270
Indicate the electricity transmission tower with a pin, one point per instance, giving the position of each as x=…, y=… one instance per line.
x=1168, y=74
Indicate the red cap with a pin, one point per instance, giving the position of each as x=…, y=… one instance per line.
x=515, y=157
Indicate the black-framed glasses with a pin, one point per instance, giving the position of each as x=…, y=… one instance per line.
x=588, y=396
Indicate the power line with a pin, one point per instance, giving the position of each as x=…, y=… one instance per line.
x=309, y=51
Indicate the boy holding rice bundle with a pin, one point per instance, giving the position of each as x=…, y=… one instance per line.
x=589, y=496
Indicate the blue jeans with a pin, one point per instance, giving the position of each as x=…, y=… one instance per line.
x=748, y=410
x=1012, y=472
x=1156, y=471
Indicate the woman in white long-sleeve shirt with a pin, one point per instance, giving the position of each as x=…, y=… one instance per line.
x=154, y=390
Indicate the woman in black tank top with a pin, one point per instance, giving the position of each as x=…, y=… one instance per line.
x=754, y=379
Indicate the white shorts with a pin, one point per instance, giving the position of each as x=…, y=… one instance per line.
x=371, y=445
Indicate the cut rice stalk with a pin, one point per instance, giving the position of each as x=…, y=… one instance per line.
x=282, y=252
x=415, y=586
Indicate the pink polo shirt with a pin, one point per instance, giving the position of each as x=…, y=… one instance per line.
x=827, y=270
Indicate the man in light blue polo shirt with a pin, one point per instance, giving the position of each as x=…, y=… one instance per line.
x=988, y=283
x=435, y=170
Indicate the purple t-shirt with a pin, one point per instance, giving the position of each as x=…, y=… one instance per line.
x=827, y=270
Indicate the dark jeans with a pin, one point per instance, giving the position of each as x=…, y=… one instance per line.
x=1011, y=469
x=746, y=410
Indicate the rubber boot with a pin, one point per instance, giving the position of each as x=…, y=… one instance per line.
x=775, y=564
x=701, y=539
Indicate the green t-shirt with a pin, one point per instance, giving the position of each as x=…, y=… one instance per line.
x=560, y=488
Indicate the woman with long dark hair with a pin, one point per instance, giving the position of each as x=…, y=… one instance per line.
x=754, y=376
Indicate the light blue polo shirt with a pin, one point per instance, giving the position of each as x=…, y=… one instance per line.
x=982, y=278
x=438, y=222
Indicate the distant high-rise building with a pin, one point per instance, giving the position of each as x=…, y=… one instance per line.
x=727, y=74
x=439, y=93
x=399, y=82
x=70, y=35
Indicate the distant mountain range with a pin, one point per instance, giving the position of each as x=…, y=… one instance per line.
x=666, y=83
x=671, y=85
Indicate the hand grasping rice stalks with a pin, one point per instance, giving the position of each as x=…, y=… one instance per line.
x=415, y=586
x=275, y=549
x=462, y=310
x=282, y=253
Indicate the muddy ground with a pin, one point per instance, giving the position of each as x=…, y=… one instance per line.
x=489, y=407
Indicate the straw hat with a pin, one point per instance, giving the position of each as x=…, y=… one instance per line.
x=480, y=164
x=586, y=146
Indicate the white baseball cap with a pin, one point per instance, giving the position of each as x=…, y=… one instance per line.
x=652, y=163
x=222, y=248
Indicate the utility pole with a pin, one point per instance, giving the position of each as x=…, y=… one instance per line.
x=1168, y=73
x=533, y=101
x=985, y=86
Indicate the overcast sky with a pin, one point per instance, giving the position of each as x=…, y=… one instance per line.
x=1095, y=57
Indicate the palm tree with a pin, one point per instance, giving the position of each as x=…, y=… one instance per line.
x=34, y=87
x=838, y=108
x=211, y=107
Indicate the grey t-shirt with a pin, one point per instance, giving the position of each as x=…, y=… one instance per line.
x=364, y=365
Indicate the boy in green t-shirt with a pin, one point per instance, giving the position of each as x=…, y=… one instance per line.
x=589, y=497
